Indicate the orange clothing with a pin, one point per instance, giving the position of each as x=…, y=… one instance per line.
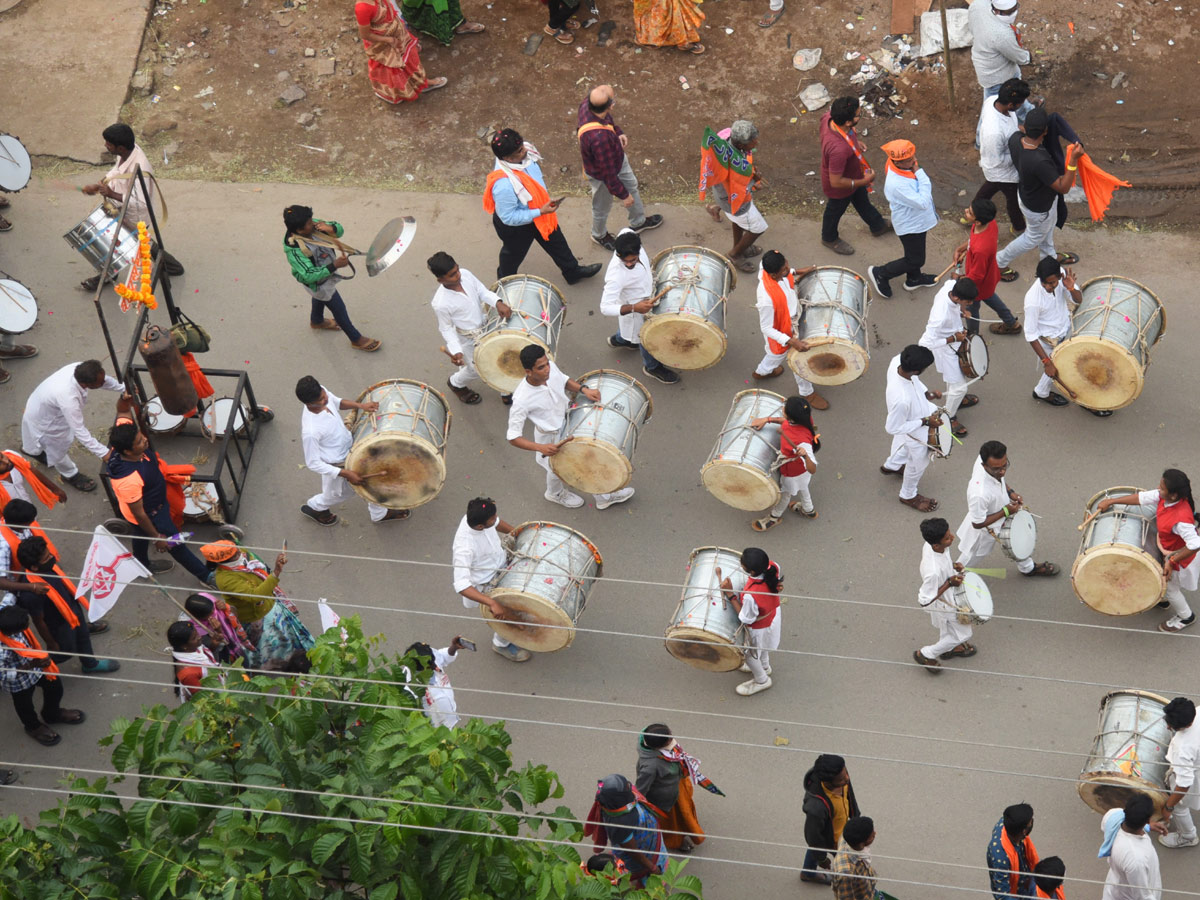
x=1098, y=185
x=783, y=316
x=31, y=649
x=12, y=540
x=1014, y=863
x=722, y=163
x=21, y=464
x=203, y=387
x=64, y=583
x=546, y=223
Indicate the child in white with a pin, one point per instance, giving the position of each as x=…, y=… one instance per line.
x=939, y=576
x=438, y=701
x=944, y=333
x=478, y=555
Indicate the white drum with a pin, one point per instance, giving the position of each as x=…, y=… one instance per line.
x=1018, y=535
x=215, y=420
x=538, y=313
x=1129, y=754
x=686, y=328
x=973, y=600
x=18, y=308
x=941, y=438
x=1118, y=571
x=15, y=165
x=833, y=319
x=161, y=422
x=93, y=236
x=741, y=470
x=973, y=356
x=604, y=435
x=201, y=503
x=704, y=627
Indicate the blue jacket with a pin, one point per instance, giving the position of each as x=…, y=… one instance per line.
x=911, y=200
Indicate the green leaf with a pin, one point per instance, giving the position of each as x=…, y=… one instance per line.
x=182, y=819
x=324, y=846
x=384, y=892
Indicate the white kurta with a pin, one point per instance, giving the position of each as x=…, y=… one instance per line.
x=906, y=407
x=1183, y=754
x=477, y=556
x=986, y=496
x=459, y=313
x=766, y=324
x=945, y=319
x=14, y=483
x=935, y=569
x=326, y=442
x=623, y=285
x=1188, y=577
x=1133, y=872
x=438, y=701
x=54, y=416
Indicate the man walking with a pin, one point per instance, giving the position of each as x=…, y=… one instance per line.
x=997, y=123
x=727, y=168
x=829, y=803
x=775, y=300
x=910, y=196
x=602, y=145
x=1183, y=754
x=910, y=413
x=977, y=255
x=1011, y=854
x=944, y=333
x=478, y=555
x=845, y=176
x=997, y=49
x=1133, y=872
x=940, y=575
x=628, y=286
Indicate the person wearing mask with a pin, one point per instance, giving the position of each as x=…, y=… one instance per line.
x=829, y=803
x=1011, y=854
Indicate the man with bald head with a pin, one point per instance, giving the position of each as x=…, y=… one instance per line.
x=602, y=146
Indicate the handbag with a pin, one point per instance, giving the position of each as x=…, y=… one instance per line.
x=190, y=337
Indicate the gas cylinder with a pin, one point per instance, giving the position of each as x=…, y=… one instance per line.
x=172, y=383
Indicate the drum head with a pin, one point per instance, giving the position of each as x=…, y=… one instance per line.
x=1022, y=534
x=739, y=485
x=159, y=420
x=531, y=611
x=683, y=341
x=389, y=245
x=702, y=649
x=406, y=471
x=944, y=440
x=1103, y=374
x=977, y=596
x=216, y=417
x=498, y=358
x=1117, y=581
x=979, y=355
x=18, y=308
x=592, y=465
x=15, y=166
x=833, y=362
x=200, y=501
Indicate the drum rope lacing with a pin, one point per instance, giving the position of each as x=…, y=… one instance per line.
x=685, y=277
x=1107, y=309
x=205, y=501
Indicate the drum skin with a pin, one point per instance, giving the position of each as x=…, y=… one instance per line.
x=704, y=626
x=833, y=320
x=686, y=328
x=539, y=311
x=599, y=457
x=738, y=471
x=1129, y=753
x=18, y=306
x=1115, y=572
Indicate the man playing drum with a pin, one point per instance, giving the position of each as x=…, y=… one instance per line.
x=1175, y=521
x=541, y=397
x=990, y=501
x=458, y=307
x=628, y=286
x=478, y=555
x=939, y=577
x=327, y=442
x=944, y=333
x=1183, y=754
x=776, y=303
x=910, y=414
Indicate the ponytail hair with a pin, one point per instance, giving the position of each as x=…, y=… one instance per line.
x=1177, y=483
x=799, y=412
x=757, y=563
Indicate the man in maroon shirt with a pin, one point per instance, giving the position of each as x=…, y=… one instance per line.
x=845, y=175
x=978, y=257
x=602, y=146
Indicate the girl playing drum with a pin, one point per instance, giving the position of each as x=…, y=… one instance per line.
x=758, y=609
x=798, y=446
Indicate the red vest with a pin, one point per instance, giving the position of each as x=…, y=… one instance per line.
x=766, y=601
x=789, y=445
x=1166, y=518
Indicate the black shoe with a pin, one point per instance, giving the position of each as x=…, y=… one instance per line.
x=1055, y=399
x=1163, y=604
x=7, y=776
x=615, y=340
x=608, y=242
x=40, y=457
x=663, y=374
x=1099, y=413
x=881, y=284
x=158, y=566
x=879, y=232
x=584, y=272
x=89, y=284
x=651, y=222
x=506, y=399
x=921, y=281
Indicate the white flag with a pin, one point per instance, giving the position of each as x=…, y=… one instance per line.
x=329, y=619
x=106, y=571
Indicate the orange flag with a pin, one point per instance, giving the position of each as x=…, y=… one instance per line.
x=1098, y=185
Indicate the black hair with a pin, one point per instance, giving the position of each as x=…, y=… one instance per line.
x=598, y=862
x=199, y=606
x=422, y=655
x=119, y=135
x=857, y=830
x=934, y=529
x=441, y=264
x=179, y=633
x=1013, y=91
x=1178, y=484
x=965, y=289
x=627, y=243
x=656, y=736
x=308, y=390
x=89, y=371
x=122, y=436
x=1048, y=267
x=19, y=512
x=480, y=511
x=992, y=450
x=1016, y=819
x=1180, y=712
x=843, y=110
x=799, y=412
x=772, y=262
x=506, y=142
x=985, y=210
x=1048, y=874
x=13, y=619
x=296, y=217
x=1138, y=810
x=757, y=563
x=1036, y=123
x=295, y=663
x=915, y=358
x=30, y=550
x=530, y=354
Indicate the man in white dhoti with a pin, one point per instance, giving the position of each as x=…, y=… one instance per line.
x=910, y=413
x=478, y=555
x=989, y=502
x=944, y=333
x=53, y=419
x=1183, y=754
x=628, y=294
x=776, y=303
x=327, y=441
x=438, y=701
x=1133, y=872
x=458, y=305
x=939, y=577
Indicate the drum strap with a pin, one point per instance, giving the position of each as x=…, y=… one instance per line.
x=327, y=241
x=128, y=176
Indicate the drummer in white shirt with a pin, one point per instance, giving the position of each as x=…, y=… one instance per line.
x=458, y=305
x=478, y=555
x=939, y=576
x=989, y=502
x=541, y=397
x=776, y=302
x=628, y=290
x=910, y=413
x=1183, y=754
x=944, y=333
x=327, y=442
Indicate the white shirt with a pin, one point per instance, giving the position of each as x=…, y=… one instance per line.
x=766, y=309
x=749, y=613
x=544, y=405
x=477, y=556
x=906, y=405
x=461, y=311
x=985, y=496
x=1133, y=872
x=325, y=437
x=1047, y=315
x=935, y=569
x=138, y=210
x=57, y=405
x=1185, y=530
x=621, y=286
x=438, y=701
x=1183, y=754
x=6, y=555
x=945, y=319
x=995, y=128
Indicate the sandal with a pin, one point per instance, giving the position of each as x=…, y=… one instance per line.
x=561, y=34
x=434, y=83
x=766, y=523
x=321, y=517
x=797, y=508
x=772, y=16
x=1067, y=259
x=696, y=48
x=4, y=203
x=394, y=514
x=886, y=471
x=968, y=401
x=957, y=428
x=5, y=225
x=1009, y=274
x=932, y=666
x=325, y=325
x=19, y=351
x=921, y=503
x=965, y=650
x=1001, y=328
x=470, y=28
x=80, y=482
x=1042, y=568
x=745, y=265
x=465, y=394
x=367, y=345
x=573, y=24
x=45, y=735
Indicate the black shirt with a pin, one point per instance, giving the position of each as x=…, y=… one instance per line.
x=1036, y=173
x=41, y=605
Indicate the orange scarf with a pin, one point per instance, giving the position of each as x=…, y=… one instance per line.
x=1014, y=864
x=783, y=318
x=204, y=388
x=904, y=173
x=43, y=493
x=854, y=148
x=7, y=532
x=1098, y=185
x=64, y=608
x=31, y=649
x=546, y=224
x=1058, y=893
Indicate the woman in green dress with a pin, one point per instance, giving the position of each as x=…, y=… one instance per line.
x=440, y=19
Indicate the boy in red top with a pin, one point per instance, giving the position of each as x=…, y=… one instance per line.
x=798, y=445
x=977, y=254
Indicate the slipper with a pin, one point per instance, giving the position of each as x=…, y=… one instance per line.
x=766, y=523
x=774, y=373
x=932, y=666
x=745, y=265
x=45, y=735
x=965, y=650
x=434, y=83
x=70, y=717
x=1067, y=259
x=325, y=325
x=772, y=16
x=563, y=36
x=968, y=401
x=1009, y=275
x=470, y=28
x=465, y=394
x=753, y=250
x=957, y=428
x=696, y=48
x=921, y=503
x=370, y=346
x=1042, y=568
x=19, y=351
x=797, y=508
x=394, y=514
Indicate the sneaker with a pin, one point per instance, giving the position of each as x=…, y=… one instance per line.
x=513, y=653
x=663, y=374
x=608, y=242
x=745, y=668
x=751, y=687
x=1176, y=841
x=158, y=566
x=566, y=498
x=881, y=283
x=617, y=497
x=1175, y=623
x=102, y=667
x=651, y=222
x=615, y=340
x=923, y=280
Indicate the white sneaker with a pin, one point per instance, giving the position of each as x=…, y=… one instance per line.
x=1176, y=841
x=746, y=688
x=566, y=498
x=619, y=497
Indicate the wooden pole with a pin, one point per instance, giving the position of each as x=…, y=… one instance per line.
x=946, y=50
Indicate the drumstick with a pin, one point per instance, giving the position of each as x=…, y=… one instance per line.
x=451, y=355
x=990, y=573
x=1084, y=523
x=9, y=295
x=947, y=269
x=1074, y=396
x=372, y=475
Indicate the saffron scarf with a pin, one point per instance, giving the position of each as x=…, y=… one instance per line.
x=1098, y=185
x=1057, y=895
x=903, y=173
x=594, y=826
x=724, y=164
x=526, y=188
x=1014, y=863
x=10, y=535
x=31, y=649
x=43, y=493
x=55, y=596
x=853, y=143
x=783, y=317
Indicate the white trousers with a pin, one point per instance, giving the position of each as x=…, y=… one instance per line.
x=915, y=457
x=335, y=490
x=982, y=548
x=761, y=641
x=56, y=441
x=954, y=396
x=772, y=360
x=555, y=486
x=1174, y=596
x=1181, y=822
x=1038, y=234
x=1042, y=388
x=950, y=633
x=793, y=486
x=465, y=373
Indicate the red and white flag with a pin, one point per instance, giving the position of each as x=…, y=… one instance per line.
x=106, y=571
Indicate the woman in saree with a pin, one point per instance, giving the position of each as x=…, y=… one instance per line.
x=393, y=60
x=668, y=23
x=440, y=19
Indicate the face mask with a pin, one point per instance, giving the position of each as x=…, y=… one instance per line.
x=1007, y=18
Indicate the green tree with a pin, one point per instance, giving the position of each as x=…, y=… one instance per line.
x=286, y=819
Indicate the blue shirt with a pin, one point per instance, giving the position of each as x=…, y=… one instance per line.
x=998, y=859
x=511, y=210
x=911, y=200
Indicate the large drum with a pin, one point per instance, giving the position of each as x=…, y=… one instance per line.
x=973, y=600
x=741, y=470
x=1017, y=537
x=400, y=450
x=1105, y=358
x=537, y=318
x=704, y=627
x=94, y=235
x=604, y=435
x=18, y=308
x=544, y=586
x=833, y=319
x=1129, y=754
x=1118, y=571
x=686, y=328
x=161, y=422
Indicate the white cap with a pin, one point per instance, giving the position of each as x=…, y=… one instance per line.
x=1004, y=6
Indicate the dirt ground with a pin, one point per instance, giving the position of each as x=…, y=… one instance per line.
x=217, y=69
